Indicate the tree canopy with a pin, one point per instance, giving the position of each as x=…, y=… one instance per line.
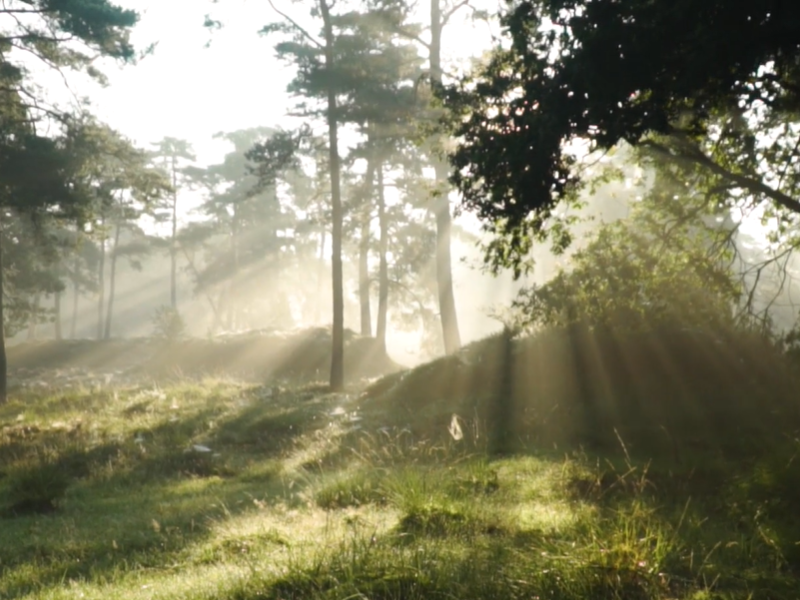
x=714, y=84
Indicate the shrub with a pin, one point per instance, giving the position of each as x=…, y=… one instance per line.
x=168, y=324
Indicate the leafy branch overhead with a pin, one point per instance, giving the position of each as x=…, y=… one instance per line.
x=715, y=84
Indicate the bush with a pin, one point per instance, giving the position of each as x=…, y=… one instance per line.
x=169, y=324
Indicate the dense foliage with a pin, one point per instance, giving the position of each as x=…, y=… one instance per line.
x=713, y=85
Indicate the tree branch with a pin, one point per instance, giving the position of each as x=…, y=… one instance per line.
x=453, y=10
x=297, y=26
x=756, y=186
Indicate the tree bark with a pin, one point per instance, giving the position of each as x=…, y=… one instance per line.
x=337, y=351
x=363, y=253
x=112, y=283
x=383, y=272
x=441, y=207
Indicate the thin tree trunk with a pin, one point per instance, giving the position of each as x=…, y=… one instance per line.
x=214, y=308
x=363, y=253
x=233, y=296
x=173, y=289
x=383, y=273
x=101, y=281
x=75, y=299
x=363, y=278
x=3, y=357
x=34, y=317
x=444, y=270
x=112, y=284
x=337, y=351
x=57, y=321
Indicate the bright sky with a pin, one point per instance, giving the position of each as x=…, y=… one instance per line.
x=188, y=91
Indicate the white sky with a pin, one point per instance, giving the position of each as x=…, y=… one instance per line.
x=188, y=91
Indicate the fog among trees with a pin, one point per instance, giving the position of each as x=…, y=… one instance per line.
x=383, y=299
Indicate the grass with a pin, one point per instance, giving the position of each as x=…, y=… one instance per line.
x=219, y=490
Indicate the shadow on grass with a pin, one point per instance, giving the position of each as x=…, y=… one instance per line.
x=663, y=393
x=143, y=497
x=124, y=530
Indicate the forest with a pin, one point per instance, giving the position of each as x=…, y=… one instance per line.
x=390, y=300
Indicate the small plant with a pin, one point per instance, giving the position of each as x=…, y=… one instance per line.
x=361, y=488
x=168, y=324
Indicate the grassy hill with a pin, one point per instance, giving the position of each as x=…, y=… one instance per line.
x=298, y=355
x=218, y=489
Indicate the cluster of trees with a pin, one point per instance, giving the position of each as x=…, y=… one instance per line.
x=704, y=98
x=76, y=200
x=52, y=189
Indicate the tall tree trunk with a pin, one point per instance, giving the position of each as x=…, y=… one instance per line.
x=441, y=207
x=3, y=357
x=233, y=296
x=363, y=277
x=75, y=299
x=337, y=351
x=214, y=309
x=112, y=284
x=57, y=320
x=34, y=317
x=173, y=287
x=101, y=280
x=363, y=252
x=383, y=272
